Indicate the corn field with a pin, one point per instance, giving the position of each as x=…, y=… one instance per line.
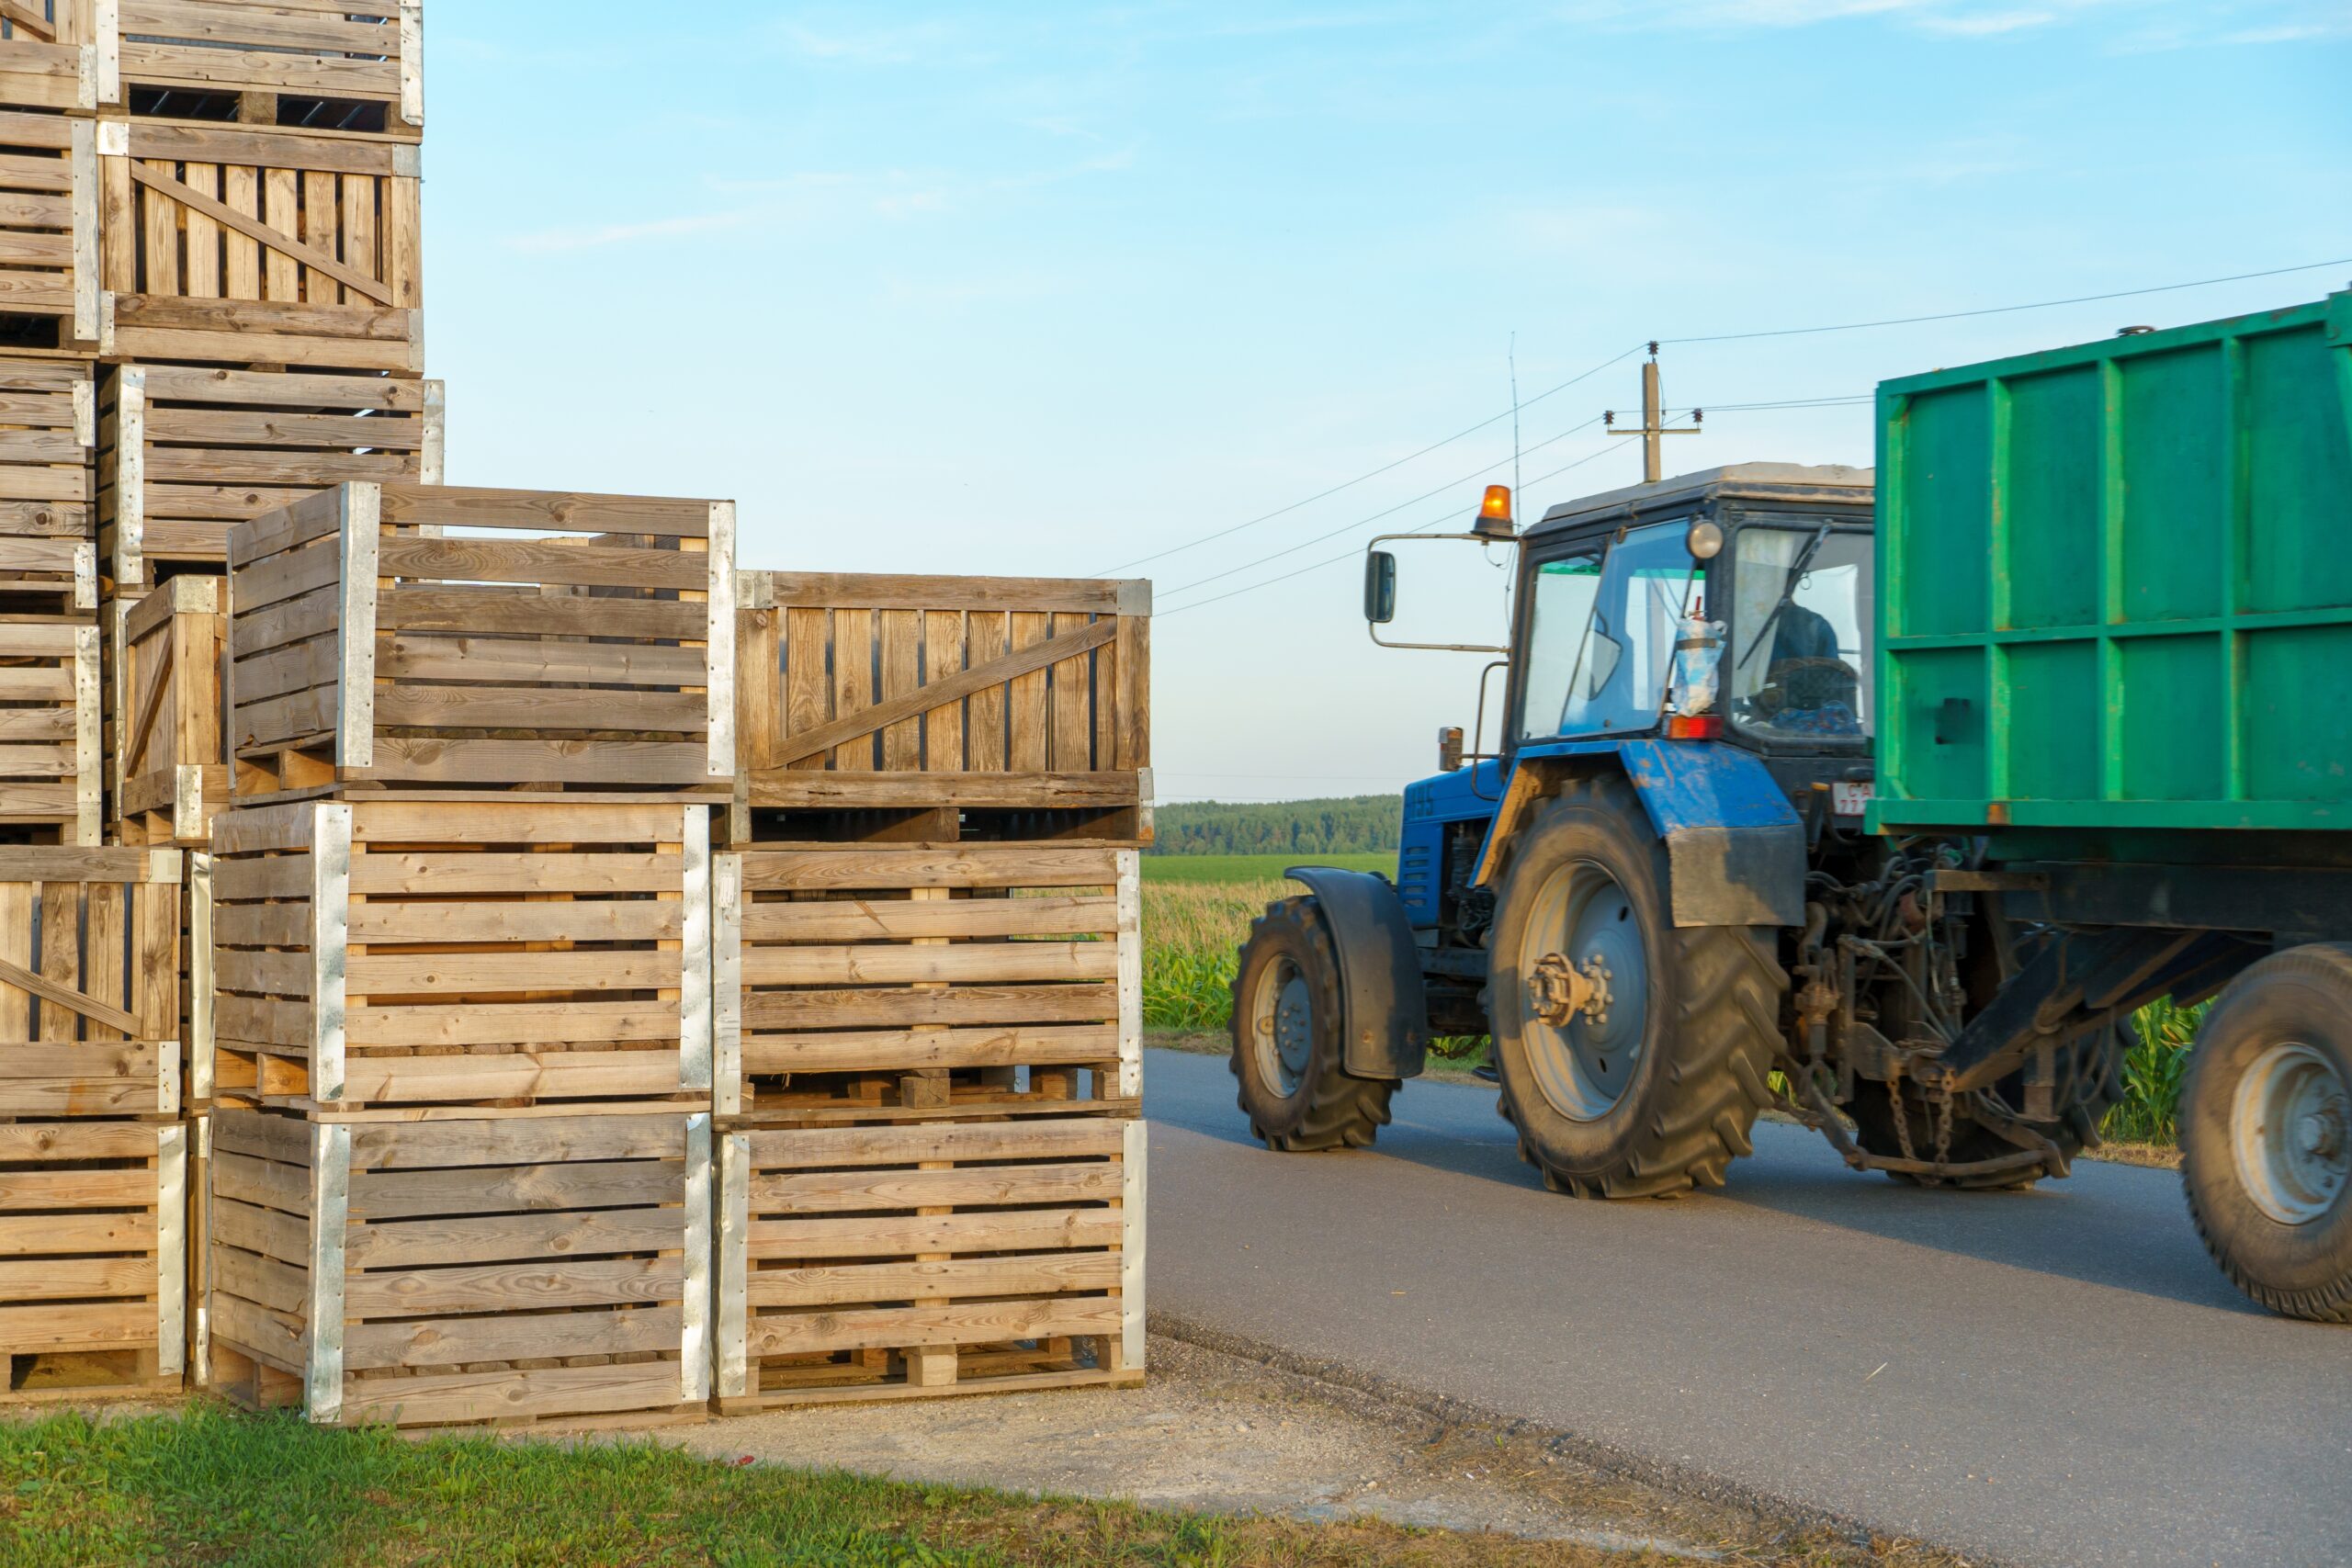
x=1192, y=931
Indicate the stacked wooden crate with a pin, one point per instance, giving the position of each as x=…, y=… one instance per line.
x=461, y=936
x=93, y=1159
x=929, y=988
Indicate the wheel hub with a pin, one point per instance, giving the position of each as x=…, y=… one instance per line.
x=2288, y=1133
x=1282, y=1027
x=1559, y=990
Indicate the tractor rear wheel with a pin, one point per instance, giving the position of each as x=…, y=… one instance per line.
x=1634, y=1051
x=1286, y=1042
x=2266, y=1132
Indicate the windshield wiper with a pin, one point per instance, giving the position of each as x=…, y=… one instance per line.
x=1788, y=590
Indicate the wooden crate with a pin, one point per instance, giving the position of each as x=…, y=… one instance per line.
x=308, y=64
x=853, y=980
x=859, y=1263
x=364, y=650
x=935, y=709
x=48, y=58
x=187, y=452
x=49, y=228
x=93, y=1259
x=47, y=565
x=89, y=982
x=167, y=762
x=51, y=712
x=447, y=952
x=497, y=1269
x=258, y=248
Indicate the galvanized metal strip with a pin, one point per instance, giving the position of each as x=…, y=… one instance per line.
x=727, y=984
x=1134, y=1191
x=201, y=1342
x=720, y=696
x=188, y=800
x=1130, y=940
x=694, y=1345
x=362, y=524
x=412, y=62
x=734, y=1265
x=130, y=475
x=693, y=979
x=105, y=21
x=330, y=1220
x=198, y=961
x=330, y=945
x=89, y=756
x=171, y=1249
x=432, y=461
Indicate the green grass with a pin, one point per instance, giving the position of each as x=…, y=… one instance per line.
x=1255, y=868
x=209, y=1487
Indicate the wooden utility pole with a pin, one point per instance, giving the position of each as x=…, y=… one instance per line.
x=1653, y=422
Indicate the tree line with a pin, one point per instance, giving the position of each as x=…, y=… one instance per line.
x=1357, y=825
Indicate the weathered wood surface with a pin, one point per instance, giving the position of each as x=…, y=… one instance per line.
x=48, y=207
x=167, y=759
x=893, y=1261
x=433, y=952
x=89, y=982
x=47, y=424
x=474, y=1271
x=989, y=974
x=92, y=1259
x=371, y=645
x=187, y=452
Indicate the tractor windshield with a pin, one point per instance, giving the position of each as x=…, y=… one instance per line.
x=1800, y=630
x=1600, y=634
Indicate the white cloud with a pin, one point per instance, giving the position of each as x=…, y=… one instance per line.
x=557, y=241
x=2153, y=24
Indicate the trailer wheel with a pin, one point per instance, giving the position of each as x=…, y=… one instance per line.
x=1286, y=1039
x=1634, y=1053
x=2266, y=1132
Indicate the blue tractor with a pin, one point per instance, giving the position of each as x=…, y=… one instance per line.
x=1656, y=892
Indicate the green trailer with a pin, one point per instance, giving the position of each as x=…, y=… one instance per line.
x=2115, y=614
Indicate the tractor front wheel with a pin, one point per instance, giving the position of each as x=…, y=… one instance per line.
x=1634, y=1051
x=1286, y=1041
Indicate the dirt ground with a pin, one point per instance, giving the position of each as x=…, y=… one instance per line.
x=1224, y=1433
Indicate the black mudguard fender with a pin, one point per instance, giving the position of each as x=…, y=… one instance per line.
x=1385, y=1025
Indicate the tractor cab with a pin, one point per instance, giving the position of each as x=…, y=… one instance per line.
x=1734, y=604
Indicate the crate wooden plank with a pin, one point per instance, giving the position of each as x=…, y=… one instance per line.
x=454, y=951
x=470, y=1270
x=89, y=991
x=93, y=1259
x=48, y=564
x=186, y=452
x=51, y=725
x=892, y=706
x=884, y=1262
x=48, y=225
x=587, y=646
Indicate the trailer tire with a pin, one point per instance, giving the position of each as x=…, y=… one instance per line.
x=1286, y=1039
x=2265, y=1131
x=1708, y=1010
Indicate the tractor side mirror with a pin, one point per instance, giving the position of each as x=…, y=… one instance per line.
x=1448, y=749
x=1380, y=588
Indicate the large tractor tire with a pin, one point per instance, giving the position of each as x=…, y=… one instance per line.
x=1649, y=1085
x=1286, y=1022
x=2266, y=1132
x=1876, y=1105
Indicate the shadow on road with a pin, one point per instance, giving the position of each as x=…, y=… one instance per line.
x=2112, y=1226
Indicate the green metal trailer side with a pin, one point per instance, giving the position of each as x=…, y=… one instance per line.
x=2115, y=583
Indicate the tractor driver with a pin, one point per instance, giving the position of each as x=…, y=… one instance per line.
x=1808, y=686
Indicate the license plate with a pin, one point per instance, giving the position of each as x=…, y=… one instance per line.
x=1848, y=799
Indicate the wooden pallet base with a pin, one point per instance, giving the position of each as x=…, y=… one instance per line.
x=81, y=1377
x=244, y=1379
x=869, y=1390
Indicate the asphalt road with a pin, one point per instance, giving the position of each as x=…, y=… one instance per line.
x=2058, y=1377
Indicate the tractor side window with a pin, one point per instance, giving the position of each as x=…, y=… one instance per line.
x=1648, y=585
x=1559, y=610
x=1800, y=661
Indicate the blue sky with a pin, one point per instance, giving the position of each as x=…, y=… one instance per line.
x=1048, y=288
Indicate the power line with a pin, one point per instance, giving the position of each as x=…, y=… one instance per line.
x=2004, y=309
x=1348, y=527
x=1334, y=560
x=1349, y=484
